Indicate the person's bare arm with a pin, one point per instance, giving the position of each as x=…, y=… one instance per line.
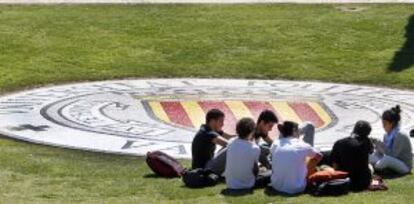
x=379, y=146
x=317, y=158
x=268, y=139
x=227, y=136
x=219, y=140
x=313, y=163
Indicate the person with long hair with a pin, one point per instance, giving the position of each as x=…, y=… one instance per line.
x=351, y=155
x=394, y=152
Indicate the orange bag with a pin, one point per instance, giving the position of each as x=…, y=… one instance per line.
x=323, y=176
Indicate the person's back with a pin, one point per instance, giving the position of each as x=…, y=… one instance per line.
x=241, y=158
x=289, y=165
x=351, y=155
x=289, y=154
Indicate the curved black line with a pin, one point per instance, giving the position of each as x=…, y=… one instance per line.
x=44, y=114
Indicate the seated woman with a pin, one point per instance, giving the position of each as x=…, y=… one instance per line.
x=394, y=152
x=351, y=155
x=289, y=160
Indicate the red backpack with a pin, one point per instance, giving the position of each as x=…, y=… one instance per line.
x=164, y=165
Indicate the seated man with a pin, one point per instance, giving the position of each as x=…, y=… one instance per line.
x=267, y=119
x=289, y=160
x=210, y=134
x=242, y=157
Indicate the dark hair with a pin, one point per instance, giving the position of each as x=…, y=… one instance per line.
x=267, y=116
x=393, y=115
x=287, y=128
x=214, y=114
x=245, y=127
x=362, y=129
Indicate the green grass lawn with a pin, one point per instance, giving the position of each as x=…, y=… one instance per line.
x=56, y=44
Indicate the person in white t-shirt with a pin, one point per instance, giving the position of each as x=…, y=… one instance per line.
x=289, y=160
x=242, y=157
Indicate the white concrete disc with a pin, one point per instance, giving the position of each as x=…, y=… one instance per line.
x=137, y=116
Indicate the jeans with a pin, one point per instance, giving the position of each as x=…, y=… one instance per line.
x=383, y=162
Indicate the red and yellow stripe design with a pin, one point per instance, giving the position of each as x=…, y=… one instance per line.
x=191, y=114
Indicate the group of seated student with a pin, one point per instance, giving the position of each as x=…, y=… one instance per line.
x=265, y=123
x=285, y=161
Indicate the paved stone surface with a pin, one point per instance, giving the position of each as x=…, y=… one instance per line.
x=136, y=116
x=200, y=1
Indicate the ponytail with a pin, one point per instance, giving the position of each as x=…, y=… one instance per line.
x=287, y=128
x=393, y=115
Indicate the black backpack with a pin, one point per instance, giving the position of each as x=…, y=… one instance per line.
x=199, y=178
x=335, y=187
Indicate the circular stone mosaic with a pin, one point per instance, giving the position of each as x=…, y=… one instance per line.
x=137, y=116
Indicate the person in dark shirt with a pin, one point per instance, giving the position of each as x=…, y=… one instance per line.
x=267, y=119
x=210, y=134
x=351, y=155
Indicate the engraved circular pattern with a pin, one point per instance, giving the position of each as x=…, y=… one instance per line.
x=137, y=116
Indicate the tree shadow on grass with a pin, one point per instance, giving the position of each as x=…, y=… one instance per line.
x=404, y=58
